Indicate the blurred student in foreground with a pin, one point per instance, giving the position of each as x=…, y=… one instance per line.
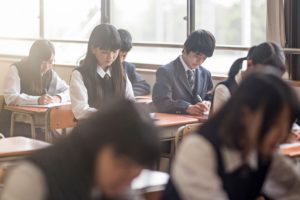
x=233, y=156
x=139, y=85
x=97, y=161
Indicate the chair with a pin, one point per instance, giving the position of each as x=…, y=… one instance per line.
x=59, y=117
x=184, y=131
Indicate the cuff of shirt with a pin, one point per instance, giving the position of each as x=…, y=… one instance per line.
x=63, y=97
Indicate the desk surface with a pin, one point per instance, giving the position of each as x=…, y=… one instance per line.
x=34, y=108
x=167, y=120
x=19, y=146
x=26, y=109
x=291, y=150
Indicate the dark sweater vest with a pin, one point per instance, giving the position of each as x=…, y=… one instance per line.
x=242, y=184
x=28, y=86
x=95, y=99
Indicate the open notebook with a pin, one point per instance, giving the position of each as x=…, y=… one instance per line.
x=47, y=105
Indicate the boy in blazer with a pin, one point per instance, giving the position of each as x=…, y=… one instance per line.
x=182, y=84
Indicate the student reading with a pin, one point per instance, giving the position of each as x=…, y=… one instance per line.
x=100, y=77
x=33, y=81
x=233, y=156
x=97, y=159
x=139, y=85
x=260, y=56
x=180, y=83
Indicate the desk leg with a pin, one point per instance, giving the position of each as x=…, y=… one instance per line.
x=12, y=124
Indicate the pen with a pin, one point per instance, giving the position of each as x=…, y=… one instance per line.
x=199, y=98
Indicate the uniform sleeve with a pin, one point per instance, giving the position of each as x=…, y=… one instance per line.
x=62, y=89
x=283, y=179
x=12, y=90
x=162, y=95
x=25, y=182
x=194, y=171
x=79, y=97
x=221, y=96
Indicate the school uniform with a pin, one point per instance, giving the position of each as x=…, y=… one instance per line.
x=16, y=92
x=84, y=98
x=139, y=85
x=177, y=86
x=204, y=169
x=224, y=90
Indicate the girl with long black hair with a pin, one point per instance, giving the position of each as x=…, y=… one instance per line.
x=100, y=77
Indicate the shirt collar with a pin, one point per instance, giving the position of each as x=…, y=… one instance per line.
x=102, y=73
x=233, y=160
x=186, y=68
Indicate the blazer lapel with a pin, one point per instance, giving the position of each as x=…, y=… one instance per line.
x=181, y=75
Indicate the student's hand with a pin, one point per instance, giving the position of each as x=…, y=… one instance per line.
x=197, y=109
x=45, y=99
x=56, y=99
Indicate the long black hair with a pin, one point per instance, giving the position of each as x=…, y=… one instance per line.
x=258, y=91
x=32, y=81
x=267, y=53
x=69, y=165
x=105, y=36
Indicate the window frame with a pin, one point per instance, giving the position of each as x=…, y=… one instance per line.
x=106, y=18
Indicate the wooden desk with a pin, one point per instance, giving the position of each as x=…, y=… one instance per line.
x=19, y=146
x=169, y=123
x=40, y=117
x=150, y=184
x=15, y=148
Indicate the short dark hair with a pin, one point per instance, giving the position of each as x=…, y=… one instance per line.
x=126, y=40
x=200, y=41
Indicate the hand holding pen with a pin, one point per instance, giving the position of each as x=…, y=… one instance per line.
x=46, y=99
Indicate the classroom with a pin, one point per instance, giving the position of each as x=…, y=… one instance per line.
x=149, y=100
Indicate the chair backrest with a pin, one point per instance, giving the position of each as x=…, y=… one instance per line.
x=61, y=117
x=184, y=131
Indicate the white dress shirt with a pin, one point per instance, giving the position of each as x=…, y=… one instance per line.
x=222, y=93
x=195, y=172
x=79, y=94
x=12, y=89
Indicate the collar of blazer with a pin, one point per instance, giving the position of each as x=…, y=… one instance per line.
x=180, y=72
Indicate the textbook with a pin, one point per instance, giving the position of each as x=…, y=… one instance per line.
x=47, y=105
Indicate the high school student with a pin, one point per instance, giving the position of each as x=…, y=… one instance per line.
x=233, y=156
x=260, y=56
x=182, y=84
x=139, y=85
x=33, y=80
x=100, y=77
x=99, y=159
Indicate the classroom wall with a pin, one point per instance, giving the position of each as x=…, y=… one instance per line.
x=65, y=71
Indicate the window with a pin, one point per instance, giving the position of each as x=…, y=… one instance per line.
x=19, y=18
x=151, y=21
x=69, y=23
x=233, y=22
x=69, y=19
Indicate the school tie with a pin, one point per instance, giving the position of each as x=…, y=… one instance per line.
x=106, y=77
x=191, y=78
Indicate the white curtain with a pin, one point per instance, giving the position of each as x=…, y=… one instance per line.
x=275, y=22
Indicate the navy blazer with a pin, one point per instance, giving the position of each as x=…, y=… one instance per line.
x=139, y=85
x=172, y=93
